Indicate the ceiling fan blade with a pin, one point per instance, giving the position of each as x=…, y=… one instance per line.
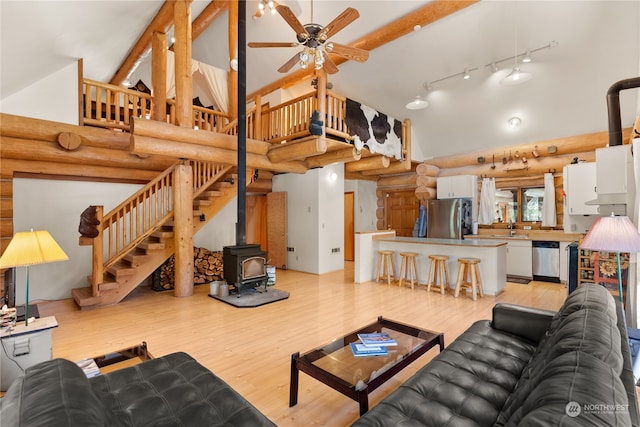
x=349, y=52
x=329, y=66
x=291, y=19
x=273, y=44
x=290, y=63
x=345, y=18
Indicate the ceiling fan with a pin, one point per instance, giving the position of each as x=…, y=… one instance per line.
x=315, y=38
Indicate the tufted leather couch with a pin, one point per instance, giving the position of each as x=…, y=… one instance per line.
x=526, y=367
x=173, y=390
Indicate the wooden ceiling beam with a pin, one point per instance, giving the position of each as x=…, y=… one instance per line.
x=161, y=23
x=425, y=15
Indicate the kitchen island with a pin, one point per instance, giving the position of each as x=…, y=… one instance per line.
x=492, y=255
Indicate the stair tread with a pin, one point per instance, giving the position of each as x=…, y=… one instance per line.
x=212, y=193
x=84, y=297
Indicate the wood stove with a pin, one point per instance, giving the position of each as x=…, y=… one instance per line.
x=244, y=265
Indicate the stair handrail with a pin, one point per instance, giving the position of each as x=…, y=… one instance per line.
x=149, y=208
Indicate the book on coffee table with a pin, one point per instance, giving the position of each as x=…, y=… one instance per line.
x=361, y=350
x=377, y=339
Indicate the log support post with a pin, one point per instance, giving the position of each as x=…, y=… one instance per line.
x=183, y=230
x=159, y=77
x=182, y=49
x=257, y=123
x=97, y=270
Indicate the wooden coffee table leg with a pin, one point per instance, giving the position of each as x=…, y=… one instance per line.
x=293, y=385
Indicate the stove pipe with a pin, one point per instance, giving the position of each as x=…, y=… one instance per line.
x=613, y=108
x=242, y=124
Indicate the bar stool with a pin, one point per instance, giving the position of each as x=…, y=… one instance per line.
x=386, y=260
x=408, y=268
x=469, y=267
x=438, y=267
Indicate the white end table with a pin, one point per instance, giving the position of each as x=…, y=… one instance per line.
x=24, y=346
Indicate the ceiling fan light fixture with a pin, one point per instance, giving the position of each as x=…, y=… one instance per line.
x=515, y=77
x=466, y=74
x=417, y=104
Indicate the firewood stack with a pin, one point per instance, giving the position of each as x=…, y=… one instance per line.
x=207, y=267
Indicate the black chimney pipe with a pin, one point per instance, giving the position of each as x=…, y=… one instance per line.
x=242, y=124
x=613, y=107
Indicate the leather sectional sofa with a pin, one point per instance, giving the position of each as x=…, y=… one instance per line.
x=526, y=367
x=173, y=390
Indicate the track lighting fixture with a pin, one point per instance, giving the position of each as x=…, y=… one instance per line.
x=515, y=77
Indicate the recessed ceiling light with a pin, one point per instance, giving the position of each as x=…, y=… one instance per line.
x=514, y=122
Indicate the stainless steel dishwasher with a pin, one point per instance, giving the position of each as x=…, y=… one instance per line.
x=546, y=261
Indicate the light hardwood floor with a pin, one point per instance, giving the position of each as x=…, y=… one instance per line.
x=250, y=348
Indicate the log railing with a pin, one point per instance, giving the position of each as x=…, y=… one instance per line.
x=135, y=219
x=291, y=119
x=111, y=106
x=335, y=124
x=203, y=118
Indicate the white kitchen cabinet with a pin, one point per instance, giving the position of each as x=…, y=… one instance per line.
x=519, y=258
x=450, y=187
x=580, y=187
x=615, y=170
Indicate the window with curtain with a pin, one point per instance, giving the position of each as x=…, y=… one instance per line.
x=521, y=204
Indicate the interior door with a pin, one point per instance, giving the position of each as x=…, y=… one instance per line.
x=349, y=238
x=277, y=228
x=402, y=209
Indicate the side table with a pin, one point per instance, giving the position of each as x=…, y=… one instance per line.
x=24, y=346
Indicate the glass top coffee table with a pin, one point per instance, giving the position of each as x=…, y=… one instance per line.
x=335, y=365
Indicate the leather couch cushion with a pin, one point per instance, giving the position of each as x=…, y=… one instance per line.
x=52, y=393
x=588, y=295
x=575, y=380
x=173, y=390
x=465, y=385
x=587, y=331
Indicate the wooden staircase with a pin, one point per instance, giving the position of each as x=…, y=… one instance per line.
x=138, y=234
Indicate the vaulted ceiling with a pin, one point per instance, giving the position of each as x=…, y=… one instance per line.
x=598, y=43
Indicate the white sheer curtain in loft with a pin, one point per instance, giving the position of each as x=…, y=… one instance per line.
x=549, y=202
x=487, y=209
x=216, y=79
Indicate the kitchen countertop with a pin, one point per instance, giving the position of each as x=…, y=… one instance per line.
x=476, y=241
x=550, y=236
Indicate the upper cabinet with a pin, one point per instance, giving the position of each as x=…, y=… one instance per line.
x=614, y=171
x=580, y=187
x=450, y=187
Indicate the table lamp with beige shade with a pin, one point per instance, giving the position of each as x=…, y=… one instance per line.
x=29, y=248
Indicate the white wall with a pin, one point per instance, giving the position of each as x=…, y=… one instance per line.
x=331, y=218
x=315, y=219
x=53, y=98
x=365, y=203
x=56, y=206
x=220, y=231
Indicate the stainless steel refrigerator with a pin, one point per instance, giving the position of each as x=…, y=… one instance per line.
x=449, y=218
